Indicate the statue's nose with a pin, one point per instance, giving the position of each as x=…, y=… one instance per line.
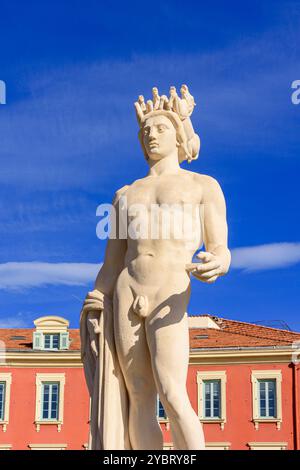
x=152, y=135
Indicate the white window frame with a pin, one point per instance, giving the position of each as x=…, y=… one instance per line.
x=40, y=380
x=168, y=446
x=257, y=375
x=217, y=445
x=6, y=378
x=47, y=446
x=5, y=447
x=267, y=445
x=212, y=375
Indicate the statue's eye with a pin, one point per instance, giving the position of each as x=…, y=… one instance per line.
x=161, y=129
x=146, y=131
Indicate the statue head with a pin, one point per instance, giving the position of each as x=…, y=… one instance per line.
x=165, y=125
x=161, y=133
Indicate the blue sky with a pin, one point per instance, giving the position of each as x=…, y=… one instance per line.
x=69, y=140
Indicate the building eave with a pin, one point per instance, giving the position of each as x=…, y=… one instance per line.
x=225, y=355
x=242, y=355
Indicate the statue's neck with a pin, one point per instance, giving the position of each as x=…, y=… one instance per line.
x=165, y=166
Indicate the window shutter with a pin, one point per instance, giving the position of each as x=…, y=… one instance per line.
x=64, y=341
x=38, y=340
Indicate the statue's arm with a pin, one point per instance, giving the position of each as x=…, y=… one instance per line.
x=215, y=223
x=215, y=261
x=112, y=266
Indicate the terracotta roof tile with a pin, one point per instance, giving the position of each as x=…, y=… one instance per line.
x=232, y=333
x=7, y=335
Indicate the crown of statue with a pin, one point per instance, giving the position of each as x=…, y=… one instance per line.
x=179, y=109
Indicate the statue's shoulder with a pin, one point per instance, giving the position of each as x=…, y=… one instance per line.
x=120, y=192
x=203, y=180
x=207, y=183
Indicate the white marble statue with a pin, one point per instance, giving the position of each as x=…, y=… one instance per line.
x=134, y=325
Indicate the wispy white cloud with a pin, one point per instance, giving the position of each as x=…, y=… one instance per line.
x=18, y=275
x=23, y=275
x=269, y=256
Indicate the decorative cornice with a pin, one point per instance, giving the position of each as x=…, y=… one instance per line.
x=282, y=354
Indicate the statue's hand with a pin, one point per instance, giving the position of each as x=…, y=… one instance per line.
x=93, y=306
x=93, y=301
x=210, y=268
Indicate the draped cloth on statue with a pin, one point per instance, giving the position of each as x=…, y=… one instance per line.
x=109, y=399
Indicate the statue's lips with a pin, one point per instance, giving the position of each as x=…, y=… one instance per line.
x=153, y=145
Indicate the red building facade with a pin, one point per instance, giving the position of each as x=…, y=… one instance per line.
x=243, y=382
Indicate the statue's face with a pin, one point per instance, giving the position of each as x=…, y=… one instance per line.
x=159, y=137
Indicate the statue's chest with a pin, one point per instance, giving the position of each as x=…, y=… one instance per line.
x=164, y=192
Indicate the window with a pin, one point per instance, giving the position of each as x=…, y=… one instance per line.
x=266, y=397
x=212, y=398
x=2, y=400
x=5, y=384
x=51, y=341
x=51, y=334
x=160, y=411
x=50, y=400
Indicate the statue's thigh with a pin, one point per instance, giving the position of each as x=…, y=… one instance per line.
x=130, y=337
x=168, y=342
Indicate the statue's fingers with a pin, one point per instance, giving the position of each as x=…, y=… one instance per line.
x=205, y=256
x=92, y=306
x=95, y=294
x=91, y=302
x=204, y=267
x=205, y=279
x=191, y=266
x=208, y=274
x=211, y=279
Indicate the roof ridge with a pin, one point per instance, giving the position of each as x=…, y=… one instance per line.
x=261, y=326
x=254, y=336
